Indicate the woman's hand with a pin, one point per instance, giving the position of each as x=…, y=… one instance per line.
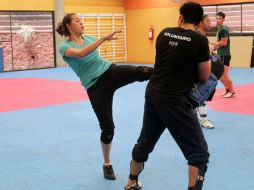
x=111, y=35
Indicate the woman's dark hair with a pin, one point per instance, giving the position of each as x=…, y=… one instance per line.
x=62, y=26
x=221, y=14
x=192, y=12
x=203, y=18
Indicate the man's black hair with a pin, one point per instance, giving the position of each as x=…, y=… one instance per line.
x=192, y=12
x=221, y=14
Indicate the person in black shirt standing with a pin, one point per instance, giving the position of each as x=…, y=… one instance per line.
x=182, y=59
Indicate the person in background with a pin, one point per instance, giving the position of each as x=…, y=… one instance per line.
x=223, y=49
x=202, y=111
x=182, y=59
x=99, y=76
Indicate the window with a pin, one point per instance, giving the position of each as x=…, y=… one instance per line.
x=233, y=17
x=248, y=18
x=239, y=18
x=5, y=39
x=27, y=39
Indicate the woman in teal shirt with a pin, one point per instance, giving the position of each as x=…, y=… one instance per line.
x=99, y=76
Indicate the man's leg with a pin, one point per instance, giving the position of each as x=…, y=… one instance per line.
x=225, y=79
x=193, y=175
x=135, y=169
x=185, y=129
x=151, y=131
x=229, y=83
x=196, y=176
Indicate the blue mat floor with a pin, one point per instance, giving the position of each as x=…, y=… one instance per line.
x=58, y=148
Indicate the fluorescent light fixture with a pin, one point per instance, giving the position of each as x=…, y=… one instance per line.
x=179, y=1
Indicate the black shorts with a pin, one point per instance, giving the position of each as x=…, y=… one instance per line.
x=226, y=59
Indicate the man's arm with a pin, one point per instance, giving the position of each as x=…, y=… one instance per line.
x=204, y=63
x=221, y=43
x=224, y=33
x=204, y=70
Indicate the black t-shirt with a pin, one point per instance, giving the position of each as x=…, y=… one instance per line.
x=178, y=52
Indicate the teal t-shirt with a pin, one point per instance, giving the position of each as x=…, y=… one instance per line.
x=223, y=33
x=87, y=68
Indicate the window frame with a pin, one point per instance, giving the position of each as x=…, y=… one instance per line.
x=12, y=32
x=241, y=33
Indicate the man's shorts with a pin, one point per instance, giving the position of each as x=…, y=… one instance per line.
x=226, y=59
